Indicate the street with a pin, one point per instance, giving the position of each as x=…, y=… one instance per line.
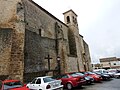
x=104, y=85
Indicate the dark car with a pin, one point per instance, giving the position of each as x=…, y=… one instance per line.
x=89, y=79
x=70, y=80
x=97, y=78
x=103, y=75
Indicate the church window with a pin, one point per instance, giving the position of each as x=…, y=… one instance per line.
x=40, y=32
x=75, y=21
x=73, y=18
x=68, y=19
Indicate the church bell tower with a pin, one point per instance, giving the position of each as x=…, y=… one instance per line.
x=70, y=18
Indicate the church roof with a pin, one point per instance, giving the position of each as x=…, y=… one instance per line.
x=46, y=11
x=70, y=11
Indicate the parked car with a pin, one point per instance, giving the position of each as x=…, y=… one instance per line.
x=104, y=76
x=100, y=70
x=12, y=85
x=88, y=79
x=45, y=83
x=97, y=78
x=117, y=75
x=70, y=80
x=112, y=72
x=109, y=72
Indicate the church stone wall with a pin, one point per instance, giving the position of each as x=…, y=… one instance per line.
x=45, y=35
x=38, y=18
x=36, y=49
x=5, y=50
x=79, y=53
x=88, y=59
x=12, y=17
x=72, y=64
x=33, y=35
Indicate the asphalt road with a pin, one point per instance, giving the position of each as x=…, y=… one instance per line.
x=113, y=84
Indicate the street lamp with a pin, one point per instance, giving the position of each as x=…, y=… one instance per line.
x=58, y=62
x=58, y=58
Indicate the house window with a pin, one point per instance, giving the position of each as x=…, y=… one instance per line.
x=114, y=63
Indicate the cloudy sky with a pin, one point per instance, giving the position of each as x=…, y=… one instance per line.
x=99, y=23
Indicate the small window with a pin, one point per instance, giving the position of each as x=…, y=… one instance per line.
x=68, y=19
x=40, y=32
x=38, y=81
x=33, y=82
x=64, y=76
x=73, y=17
x=114, y=63
x=75, y=21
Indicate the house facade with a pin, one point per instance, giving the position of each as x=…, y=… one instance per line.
x=110, y=63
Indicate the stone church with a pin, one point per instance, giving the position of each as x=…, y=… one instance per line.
x=33, y=42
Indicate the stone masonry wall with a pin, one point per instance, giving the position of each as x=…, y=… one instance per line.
x=42, y=33
x=36, y=49
x=12, y=16
x=5, y=50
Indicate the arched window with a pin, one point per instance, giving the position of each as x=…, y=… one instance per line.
x=68, y=19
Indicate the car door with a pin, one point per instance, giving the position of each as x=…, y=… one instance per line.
x=31, y=85
x=64, y=79
x=37, y=85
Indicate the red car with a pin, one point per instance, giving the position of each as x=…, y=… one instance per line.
x=12, y=85
x=71, y=80
x=97, y=78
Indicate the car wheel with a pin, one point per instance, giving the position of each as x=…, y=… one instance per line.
x=69, y=86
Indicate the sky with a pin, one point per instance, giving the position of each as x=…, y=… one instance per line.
x=98, y=20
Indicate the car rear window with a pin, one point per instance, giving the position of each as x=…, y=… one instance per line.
x=10, y=85
x=48, y=79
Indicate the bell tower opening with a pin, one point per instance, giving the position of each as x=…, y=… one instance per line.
x=68, y=19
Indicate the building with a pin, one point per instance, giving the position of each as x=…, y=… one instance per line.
x=97, y=66
x=33, y=42
x=110, y=63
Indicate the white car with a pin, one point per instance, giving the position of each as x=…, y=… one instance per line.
x=117, y=75
x=45, y=83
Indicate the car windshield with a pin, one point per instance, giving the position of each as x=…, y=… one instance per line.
x=74, y=75
x=48, y=79
x=9, y=85
x=80, y=74
x=97, y=72
x=90, y=72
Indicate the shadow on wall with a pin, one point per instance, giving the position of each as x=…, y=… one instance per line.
x=3, y=77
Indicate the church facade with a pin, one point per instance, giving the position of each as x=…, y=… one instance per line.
x=33, y=42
